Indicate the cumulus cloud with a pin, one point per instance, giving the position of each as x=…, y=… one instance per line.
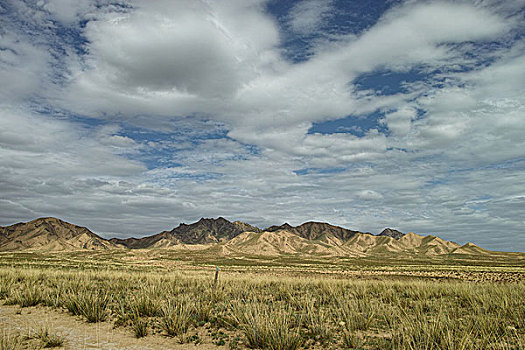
x=192, y=59
x=174, y=58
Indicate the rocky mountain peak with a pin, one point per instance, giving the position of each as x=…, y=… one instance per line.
x=390, y=232
x=209, y=230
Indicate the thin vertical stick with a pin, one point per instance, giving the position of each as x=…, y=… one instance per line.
x=216, y=277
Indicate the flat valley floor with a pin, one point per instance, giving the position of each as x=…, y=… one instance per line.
x=162, y=299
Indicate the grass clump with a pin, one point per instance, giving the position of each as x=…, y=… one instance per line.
x=91, y=305
x=267, y=328
x=139, y=326
x=176, y=318
x=450, y=331
x=146, y=306
x=47, y=338
x=356, y=315
x=25, y=296
x=202, y=312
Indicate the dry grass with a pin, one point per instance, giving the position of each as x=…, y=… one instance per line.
x=139, y=325
x=47, y=338
x=92, y=305
x=176, y=318
x=10, y=340
x=276, y=312
x=268, y=328
x=25, y=296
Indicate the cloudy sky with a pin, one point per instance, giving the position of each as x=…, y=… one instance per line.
x=131, y=117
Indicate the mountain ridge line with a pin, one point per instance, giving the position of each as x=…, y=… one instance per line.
x=223, y=237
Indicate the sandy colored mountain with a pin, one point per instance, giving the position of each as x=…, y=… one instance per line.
x=408, y=244
x=320, y=239
x=274, y=243
x=471, y=249
x=50, y=234
x=221, y=237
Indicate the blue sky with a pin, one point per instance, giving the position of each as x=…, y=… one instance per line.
x=130, y=117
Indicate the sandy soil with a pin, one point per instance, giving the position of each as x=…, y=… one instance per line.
x=80, y=335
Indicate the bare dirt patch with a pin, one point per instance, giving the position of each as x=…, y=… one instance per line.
x=78, y=334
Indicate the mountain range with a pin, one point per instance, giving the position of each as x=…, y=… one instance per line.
x=220, y=236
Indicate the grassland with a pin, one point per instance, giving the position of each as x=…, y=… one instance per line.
x=284, y=303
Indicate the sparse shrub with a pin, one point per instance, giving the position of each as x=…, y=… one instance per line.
x=203, y=311
x=356, y=314
x=419, y=331
x=52, y=297
x=145, y=305
x=5, y=288
x=351, y=340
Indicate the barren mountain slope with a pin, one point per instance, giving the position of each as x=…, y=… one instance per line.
x=471, y=249
x=273, y=243
x=204, y=231
x=316, y=230
x=50, y=234
x=390, y=232
x=222, y=237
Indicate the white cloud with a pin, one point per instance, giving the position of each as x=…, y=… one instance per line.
x=43, y=146
x=23, y=67
x=308, y=15
x=369, y=195
x=400, y=121
x=175, y=54
x=67, y=11
x=193, y=59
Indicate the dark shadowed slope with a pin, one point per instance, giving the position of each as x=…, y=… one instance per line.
x=204, y=231
x=390, y=232
x=316, y=230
